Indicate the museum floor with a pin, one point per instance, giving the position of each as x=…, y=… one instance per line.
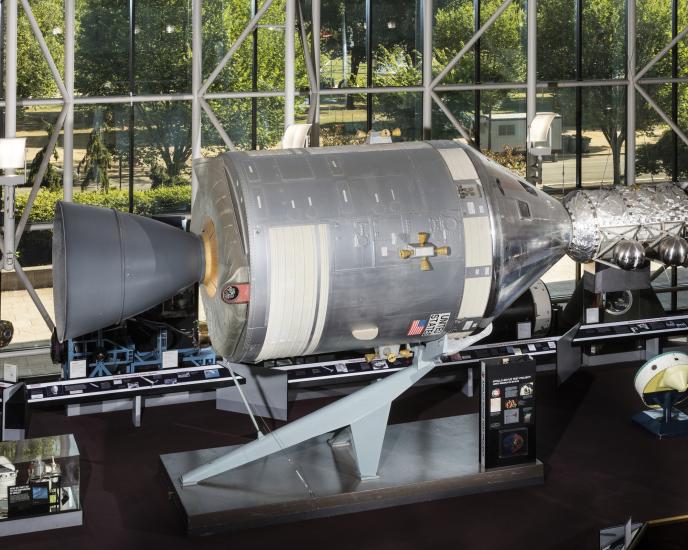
x=600, y=468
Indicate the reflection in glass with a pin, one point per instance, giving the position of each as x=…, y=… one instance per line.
x=559, y=169
x=396, y=42
x=653, y=31
x=162, y=46
x=101, y=148
x=604, y=137
x=453, y=26
x=502, y=121
x=556, y=40
x=462, y=106
x=604, y=44
x=339, y=123
x=34, y=78
x=101, y=57
x=343, y=45
x=401, y=114
x=503, y=47
x=162, y=146
x=654, y=138
x=223, y=21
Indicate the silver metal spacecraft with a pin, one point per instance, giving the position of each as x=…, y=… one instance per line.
x=625, y=226
x=306, y=251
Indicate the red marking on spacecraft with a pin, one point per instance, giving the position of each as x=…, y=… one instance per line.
x=236, y=293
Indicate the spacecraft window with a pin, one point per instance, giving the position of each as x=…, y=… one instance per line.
x=499, y=186
x=528, y=188
x=524, y=209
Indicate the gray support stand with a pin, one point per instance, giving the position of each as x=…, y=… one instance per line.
x=136, y=411
x=365, y=439
x=651, y=348
x=362, y=411
x=569, y=357
x=467, y=388
x=367, y=436
x=10, y=433
x=265, y=390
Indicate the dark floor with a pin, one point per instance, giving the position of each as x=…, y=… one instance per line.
x=600, y=468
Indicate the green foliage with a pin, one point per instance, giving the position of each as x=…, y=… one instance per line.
x=510, y=159
x=657, y=158
x=34, y=78
x=148, y=202
x=52, y=179
x=96, y=161
x=161, y=178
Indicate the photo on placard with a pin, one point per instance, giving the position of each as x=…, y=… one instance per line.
x=527, y=415
x=511, y=416
x=513, y=442
x=526, y=390
x=511, y=404
x=511, y=391
x=495, y=404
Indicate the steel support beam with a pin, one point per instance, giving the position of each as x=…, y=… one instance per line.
x=661, y=54
x=468, y=45
x=237, y=44
x=630, y=91
x=57, y=128
x=44, y=48
x=427, y=68
x=531, y=81
x=662, y=114
x=464, y=133
x=196, y=82
x=347, y=411
x=289, y=61
x=217, y=124
x=315, y=32
x=68, y=126
x=10, y=127
x=34, y=296
x=310, y=65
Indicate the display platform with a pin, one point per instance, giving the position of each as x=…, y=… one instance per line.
x=653, y=421
x=39, y=485
x=421, y=461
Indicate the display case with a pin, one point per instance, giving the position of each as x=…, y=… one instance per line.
x=39, y=484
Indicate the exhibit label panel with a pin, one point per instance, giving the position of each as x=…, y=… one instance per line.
x=507, y=412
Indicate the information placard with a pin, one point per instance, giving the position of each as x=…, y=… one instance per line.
x=9, y=373
x=507, y=412
x=77, y=369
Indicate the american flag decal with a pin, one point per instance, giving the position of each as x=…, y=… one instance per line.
x=417, y=327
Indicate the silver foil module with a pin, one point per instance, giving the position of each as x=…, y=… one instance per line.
x=602, y=218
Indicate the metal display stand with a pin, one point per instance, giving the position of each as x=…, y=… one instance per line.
x=339, y=459
x=420, y=461
x=45, y=492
